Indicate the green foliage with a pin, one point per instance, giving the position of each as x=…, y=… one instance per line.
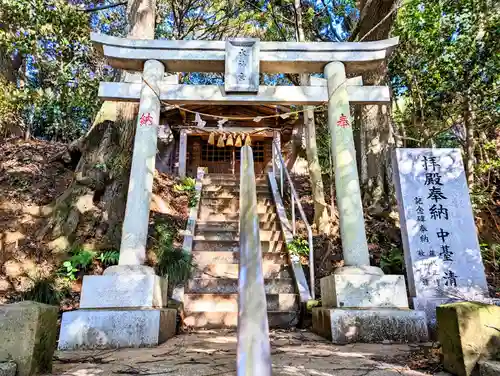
x=109, y=258
x=45, y=290
x=188, y=185
x=56, y=91
x=298, y=247
x=392, y=262
x=174, y=263
x=80, y=259
x=491, y=254
x=313, y=304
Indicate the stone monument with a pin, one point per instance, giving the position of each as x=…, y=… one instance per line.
x=441, y=249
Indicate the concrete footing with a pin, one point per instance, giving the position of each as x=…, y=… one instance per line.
x=90, y=329
x=370, y=325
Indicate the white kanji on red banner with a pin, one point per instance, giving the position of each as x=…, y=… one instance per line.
x=343, y=121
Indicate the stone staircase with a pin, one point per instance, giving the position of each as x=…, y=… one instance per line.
x=210, y=297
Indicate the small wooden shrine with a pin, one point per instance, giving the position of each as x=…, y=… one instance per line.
x=215, y=143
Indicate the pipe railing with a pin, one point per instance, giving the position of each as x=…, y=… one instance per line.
x=279, y=163
x=253, y=348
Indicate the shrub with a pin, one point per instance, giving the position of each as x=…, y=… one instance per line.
x=44, y=290
x=109, y=258
x=175, y=263
x=298, y=247
x=79, y=261
x=188, y=185
x=392, y=262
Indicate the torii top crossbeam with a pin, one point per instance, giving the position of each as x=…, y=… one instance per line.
x=274, y=57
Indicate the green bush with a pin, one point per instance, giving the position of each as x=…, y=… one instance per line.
x=491, y=254
x=392, y=262
x=109, y=258
x=80, y=260
x=188, y=185
x=174, y=263
x=298, y=247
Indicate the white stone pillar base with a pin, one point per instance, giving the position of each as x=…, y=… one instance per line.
x=125, y=307
x=344, y=326
x=116, y=328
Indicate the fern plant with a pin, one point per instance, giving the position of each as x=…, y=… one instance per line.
x=392, y=262
x=109, y=258
x=174, y=263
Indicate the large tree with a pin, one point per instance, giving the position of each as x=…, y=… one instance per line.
x=375, y=139
x=95, y=200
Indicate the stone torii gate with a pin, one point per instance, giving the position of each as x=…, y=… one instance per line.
x=130, y=295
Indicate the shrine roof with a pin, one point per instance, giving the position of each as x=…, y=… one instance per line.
x=274, y=57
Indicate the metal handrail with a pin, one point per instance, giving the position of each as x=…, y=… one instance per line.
x=253, y=348
x=294, y=198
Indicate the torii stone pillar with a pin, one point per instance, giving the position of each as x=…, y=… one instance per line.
x=125, y=307
x=352, y=224
x=359, y=302
x=136, y=220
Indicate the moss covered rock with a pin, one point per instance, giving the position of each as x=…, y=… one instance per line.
x=28, y=332
x=468, y=332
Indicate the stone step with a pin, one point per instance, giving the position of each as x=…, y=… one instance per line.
x=207, y=210
x=262, y=199
x=219, y=320
x=265, y=235
x=209, y=215
x=227, y=196
x=270, y=270
x=231, y=177
x=217, y=257
x=230, y=286
x=229, y=302
x=233, y=189
x=233, y=225
x=222, y=245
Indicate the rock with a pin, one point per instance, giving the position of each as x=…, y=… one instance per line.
x=8, y=369
x=28, y=331
x=467, y=331
x=489, y=368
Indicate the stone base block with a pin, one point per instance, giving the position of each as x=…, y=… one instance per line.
x=468, y=332
x=370, y=325
x=429, y=305
x=363, y=291
x=90, y=329
x=28, y=333
x=132, y=290
x=8, y=369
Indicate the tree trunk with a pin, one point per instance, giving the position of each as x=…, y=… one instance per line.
x=376, y=138
x=93, y=206
x=321, y=216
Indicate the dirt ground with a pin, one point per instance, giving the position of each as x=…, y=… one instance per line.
x=213, y=353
